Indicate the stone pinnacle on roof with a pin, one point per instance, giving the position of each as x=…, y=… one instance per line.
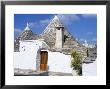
x=55, y=22
x=56, y=17
x=27, y=27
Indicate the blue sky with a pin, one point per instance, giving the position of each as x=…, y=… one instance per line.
x=81, y=26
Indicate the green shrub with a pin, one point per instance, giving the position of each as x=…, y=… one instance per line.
x=76, y=61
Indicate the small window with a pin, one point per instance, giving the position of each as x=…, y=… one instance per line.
x=58, y=28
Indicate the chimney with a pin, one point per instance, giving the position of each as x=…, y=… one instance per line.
x=59, y=37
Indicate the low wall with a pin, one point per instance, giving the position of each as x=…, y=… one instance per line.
x=24, y=61
x=59, y=62
x=90, y=69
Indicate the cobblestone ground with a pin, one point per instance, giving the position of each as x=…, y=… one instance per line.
x=59, y=74
x=44, y=73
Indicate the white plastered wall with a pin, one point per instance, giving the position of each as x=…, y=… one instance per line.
x=26, y=58
x=59, y=62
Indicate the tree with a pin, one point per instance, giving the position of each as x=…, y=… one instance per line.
x=76, y=62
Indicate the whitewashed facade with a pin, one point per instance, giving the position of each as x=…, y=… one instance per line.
x=26, y=58
x=29, y=55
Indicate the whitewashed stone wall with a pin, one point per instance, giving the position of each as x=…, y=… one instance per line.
x=27, y=57
x=59, y=62
x=89, y=69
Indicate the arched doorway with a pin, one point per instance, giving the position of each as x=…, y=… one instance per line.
x=43, y=60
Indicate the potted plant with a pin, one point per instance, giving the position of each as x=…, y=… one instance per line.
x=76, y=63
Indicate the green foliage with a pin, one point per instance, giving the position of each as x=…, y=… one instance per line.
x=76, y=60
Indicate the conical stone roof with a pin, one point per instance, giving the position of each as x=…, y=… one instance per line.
x=27, y=34
x=49, y=34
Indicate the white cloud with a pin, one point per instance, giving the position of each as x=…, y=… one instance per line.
x=94, y=39
x=90, y=33
x=89, y=15
x=17, y=30
x=38, y=23
x=33, y=24
x=67, y=18
x=82, y=39
x=90, y=40
x=45, y=21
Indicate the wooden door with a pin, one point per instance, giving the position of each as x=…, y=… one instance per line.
x=43, y=60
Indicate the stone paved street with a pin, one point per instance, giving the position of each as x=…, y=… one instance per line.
x=45, y=73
